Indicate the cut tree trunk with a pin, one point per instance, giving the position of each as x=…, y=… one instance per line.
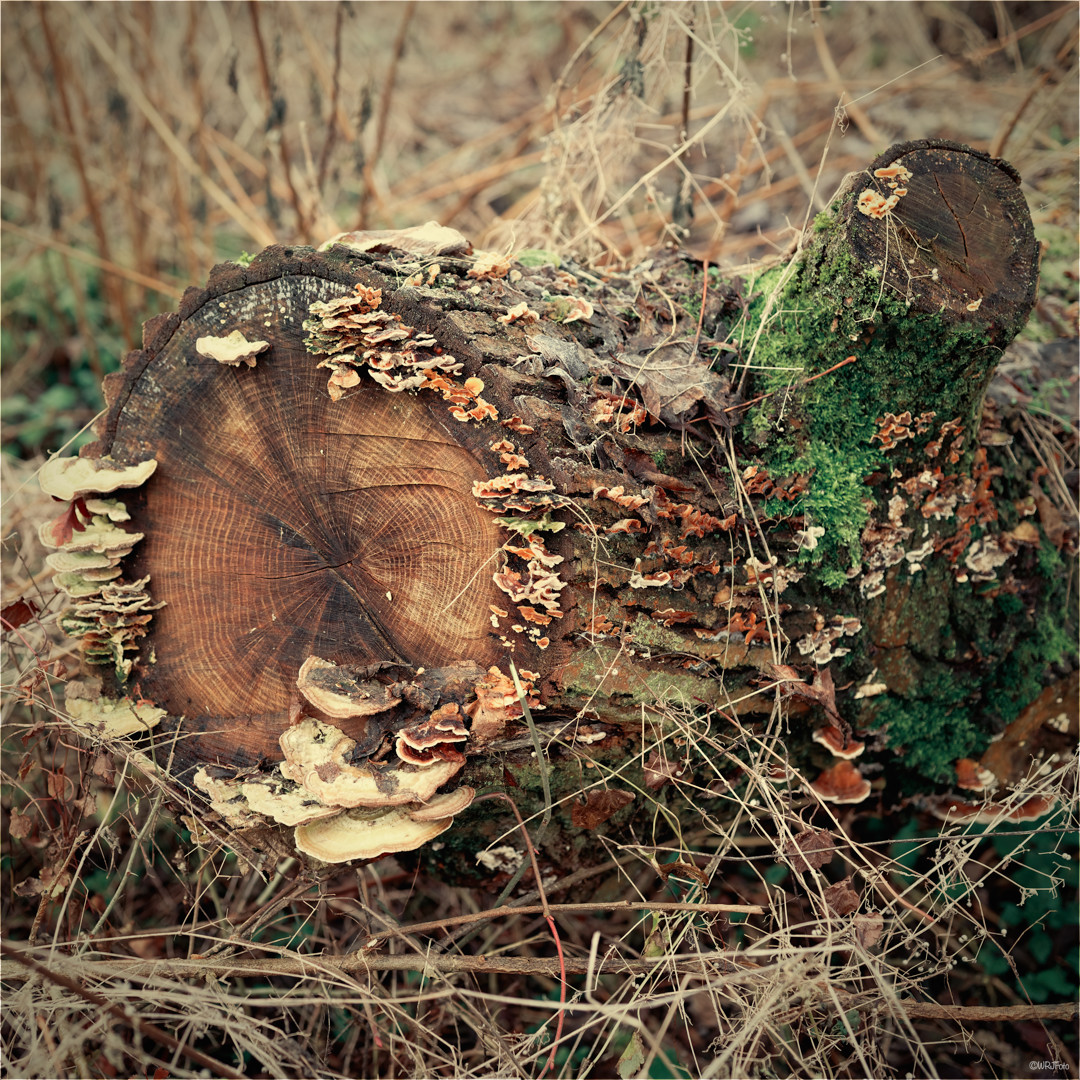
x=649, y=496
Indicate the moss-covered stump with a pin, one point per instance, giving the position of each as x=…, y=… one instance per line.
x=416, y=511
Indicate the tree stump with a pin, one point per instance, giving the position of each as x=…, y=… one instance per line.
x=404, y=496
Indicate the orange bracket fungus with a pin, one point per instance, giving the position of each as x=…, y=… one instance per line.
x=841, y=783
x=837, y=743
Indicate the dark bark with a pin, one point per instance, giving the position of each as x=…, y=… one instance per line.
x=694, y=523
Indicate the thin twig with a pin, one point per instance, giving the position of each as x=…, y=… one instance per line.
x=256, y=229
x=805, y=382
x=274, y=120
x=856, y=112
x=331, y=123
x=384, y=114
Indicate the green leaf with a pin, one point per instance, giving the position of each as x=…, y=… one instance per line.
x=632, y=1058
x=537, y=257
x=1040, y=946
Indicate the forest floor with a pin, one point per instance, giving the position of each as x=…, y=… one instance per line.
x=144, y=143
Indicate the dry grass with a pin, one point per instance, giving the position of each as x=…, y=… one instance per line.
x=142, y=143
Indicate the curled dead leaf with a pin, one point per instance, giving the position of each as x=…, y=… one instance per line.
x=842, y=898
x=598, y=807
x=660, y=770
x=811, y=848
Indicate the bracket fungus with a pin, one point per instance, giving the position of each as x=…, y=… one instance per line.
x=334, y=692
x=317, y=756
x=841, y=783
x=837, y=742
x=953, y=810
x=433, y=739
x=368, y=833
x=109, y=718
x=109, y=615
x=233, y=350
x=74, y=477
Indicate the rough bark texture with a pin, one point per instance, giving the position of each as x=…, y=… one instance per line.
x=651, y=507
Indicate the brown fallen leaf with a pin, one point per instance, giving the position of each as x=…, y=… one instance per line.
x=811, y=848
x=821, y=690
x=868, y=928
x=842, y=898
x=682, y=869
x=20, y=825
x=659, y=770
x=673, y=384
x=1050, y=517
x=18, y=613
x=598, y=807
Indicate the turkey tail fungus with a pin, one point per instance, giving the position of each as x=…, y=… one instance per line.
x=390, y=487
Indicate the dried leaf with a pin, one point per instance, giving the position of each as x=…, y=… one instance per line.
x=58, y=785
x=868, y=928
x=20, y=825
x=632, y=1059
x=104, y=768
x=674, y=385
x=29, y=887
x=53, y=882
x=842, y=898
x=1050, y=517
x=423, y=240
x=660, y=771
x=821, y=690
x=598, y=807
x=18, y=613
x=682, y=869
x=74, y=519
x=812, y=848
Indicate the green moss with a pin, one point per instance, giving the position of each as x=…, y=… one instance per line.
x=824, y=222
x=538, y=257
x=607, y=673
x=933, y=730
x=836, y=500
x=833, y=308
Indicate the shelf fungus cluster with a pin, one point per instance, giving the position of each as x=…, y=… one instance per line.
x=107, y=614
x=874, y=203
x=948, y=509
x=376, y=789
x=354, y=333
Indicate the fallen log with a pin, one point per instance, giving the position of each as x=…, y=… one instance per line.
x=403, y=515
